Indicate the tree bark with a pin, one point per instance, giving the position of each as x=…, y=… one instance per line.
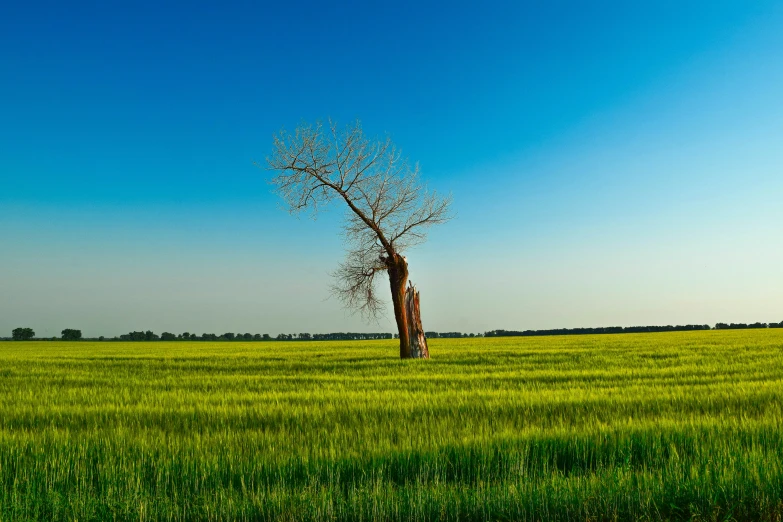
x=416, y=338
x=398, y=279
x=413, y=344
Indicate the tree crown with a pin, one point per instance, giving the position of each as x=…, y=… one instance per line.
x=389, y=209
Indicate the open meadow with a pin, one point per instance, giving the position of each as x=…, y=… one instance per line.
x=676, y=426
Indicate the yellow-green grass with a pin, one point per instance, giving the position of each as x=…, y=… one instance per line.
x=613, y=427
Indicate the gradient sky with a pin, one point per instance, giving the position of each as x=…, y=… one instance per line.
x=612, y=163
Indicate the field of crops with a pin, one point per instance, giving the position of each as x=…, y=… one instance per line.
x=642, y=426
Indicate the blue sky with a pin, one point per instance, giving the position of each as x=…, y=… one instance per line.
x=612, y=163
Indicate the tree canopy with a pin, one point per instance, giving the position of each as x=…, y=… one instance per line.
x=389, y=210
x=22, y=334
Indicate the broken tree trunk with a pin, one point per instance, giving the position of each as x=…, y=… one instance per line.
x=398, y=277
x=416, y=338
x=413, y=343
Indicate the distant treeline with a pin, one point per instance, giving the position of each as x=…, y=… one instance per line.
x=27, y=334
x=743, y=326
x=450, y=335
x=70, y=334
x=630, y=329
x=229, y=336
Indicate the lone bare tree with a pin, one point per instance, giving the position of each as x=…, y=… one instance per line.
x=389, y=211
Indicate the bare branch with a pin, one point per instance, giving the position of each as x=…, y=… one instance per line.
x=355, y=282
x=389, y=210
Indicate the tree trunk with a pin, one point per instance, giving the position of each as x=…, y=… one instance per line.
x=398, y=279
x=413, y=344
x=417, y=340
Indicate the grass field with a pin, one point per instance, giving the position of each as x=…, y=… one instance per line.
x=619, y=427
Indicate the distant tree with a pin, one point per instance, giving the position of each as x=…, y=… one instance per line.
x=228, y=336
x=452, y=335
x=134, y=336
x=186, y=335
x=101, y=338
x=70, y=334
x=256, y=337
x=22, y=334
x=167, y=336
x=388, y=212
x=266, y=337
x=209, y=337
x=305, y=337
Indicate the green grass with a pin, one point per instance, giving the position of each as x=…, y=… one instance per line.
x=673, y=426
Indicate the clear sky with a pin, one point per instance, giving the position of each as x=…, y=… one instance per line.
x=612, y=163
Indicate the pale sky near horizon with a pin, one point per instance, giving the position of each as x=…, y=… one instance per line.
x=611, y=164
